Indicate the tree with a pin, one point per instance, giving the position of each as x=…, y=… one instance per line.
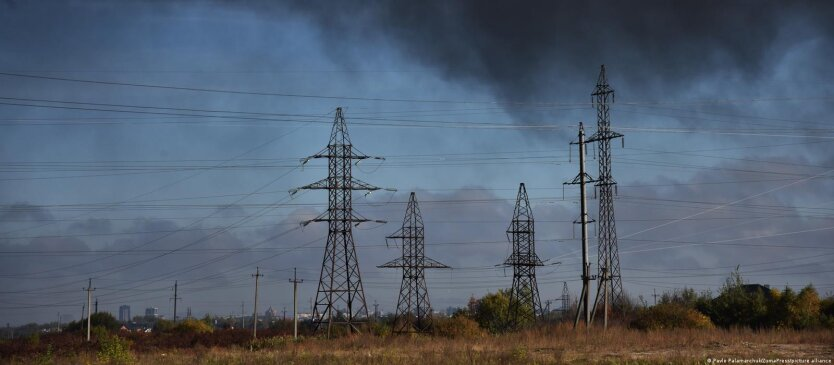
x=827, y=312
x=491, y=311
x=740, y=304
x=807, y=308
x=101, y=319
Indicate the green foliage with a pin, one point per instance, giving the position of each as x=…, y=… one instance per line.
x=738, y=305
x=756, y=306
x=492, y=311
x=458, y=326
x=114, y=350
x=47, y=357
x=685, y=297
x=106, y=320
x=519, y=354
x=798, y=311
x=269, y=343
x=523, y=311
x=208, y=320
x=670, y=315
x=191, y=326
x=827, y=312
x=163, y=325
x=34, y=339
x=380, y=328
x=101, y=319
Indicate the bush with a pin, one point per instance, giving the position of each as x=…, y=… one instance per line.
x=741, y=305
x=827, y=312
x=670, y=315
x=191, y=326
x=458, y=326
x=163, y=325
x=269, y=343
x=492, y=311
x=380, y=328
x=101, y=319
x=113, y=349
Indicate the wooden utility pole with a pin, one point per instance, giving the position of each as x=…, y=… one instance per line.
x=257, y=275
x=295, y=281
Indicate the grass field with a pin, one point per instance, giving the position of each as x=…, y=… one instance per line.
x=544, y=345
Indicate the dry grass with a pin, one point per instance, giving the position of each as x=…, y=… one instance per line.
x=544, y=345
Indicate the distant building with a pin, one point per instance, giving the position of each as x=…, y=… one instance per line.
x=270, y=314
x=124, y=313
x=151, y=312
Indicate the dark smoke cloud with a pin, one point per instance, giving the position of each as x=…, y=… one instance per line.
x=519, y=49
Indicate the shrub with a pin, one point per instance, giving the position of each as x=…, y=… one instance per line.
x=269, y=343
x=827, y=312
x=670, y=315
x=163, y=325
x=191, y=326
x=740, y=304
x=114, y=349
x=45, y=358
x=807, y=308
x=458, y=326
x=101, y=319
x=381, y=329
x=492, y=311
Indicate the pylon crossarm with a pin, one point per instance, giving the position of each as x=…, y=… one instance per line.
x=516, y=260
x=603, y=135
x=356, y=184
x=357, y=155
x=318, y=185
x=320, y=154
x=356, y=219
x=393, y=264
x=428, y=263
x=578, y=180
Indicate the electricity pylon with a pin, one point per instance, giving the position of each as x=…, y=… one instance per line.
x=340, y=284
x=565, y=297
x=413, y=307
x=610, y=290
x=525, y=305
x=581, y=179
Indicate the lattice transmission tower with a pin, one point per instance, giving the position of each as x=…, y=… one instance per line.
x=525, y=305
x=413, y=307
x=340, y=299
x=565, y=297
x=610, y=290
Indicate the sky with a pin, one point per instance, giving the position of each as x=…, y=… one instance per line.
x=143, y=142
